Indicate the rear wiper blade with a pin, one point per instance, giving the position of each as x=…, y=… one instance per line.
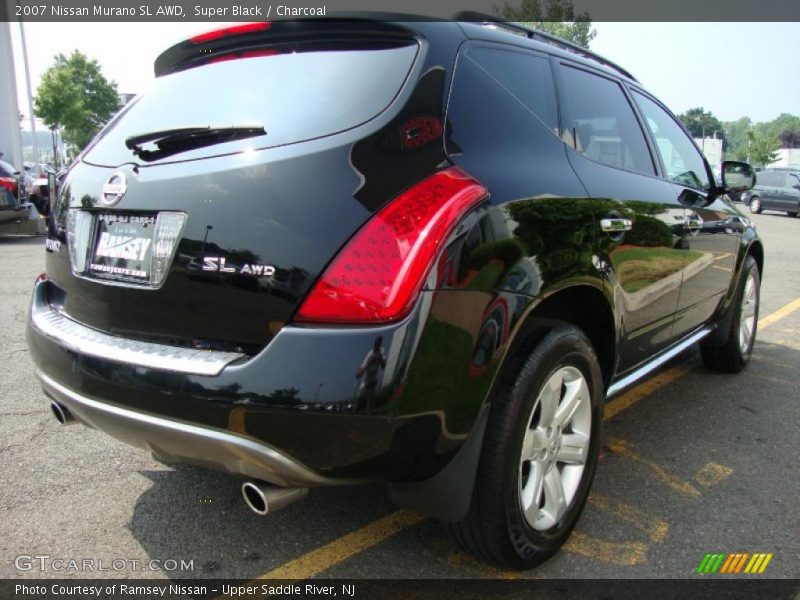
x=173, y=141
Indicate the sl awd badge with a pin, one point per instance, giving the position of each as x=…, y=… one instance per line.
x=114, y=189
x=217, y=263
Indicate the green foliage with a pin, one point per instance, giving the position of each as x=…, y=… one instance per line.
x=701, y=123
x=784, y=130
x=75, y=95
x=763, y=148
x=551, y=16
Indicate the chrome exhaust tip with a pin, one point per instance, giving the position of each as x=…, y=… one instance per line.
x=263, y=498
x=62, y=414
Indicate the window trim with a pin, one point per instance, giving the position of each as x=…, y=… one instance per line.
x=711, y=179
x=561, y=64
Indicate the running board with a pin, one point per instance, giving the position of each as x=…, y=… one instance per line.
x=657, y=362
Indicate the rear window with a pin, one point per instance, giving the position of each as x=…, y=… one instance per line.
x=294, y=96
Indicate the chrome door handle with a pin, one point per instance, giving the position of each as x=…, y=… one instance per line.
x=616, y=225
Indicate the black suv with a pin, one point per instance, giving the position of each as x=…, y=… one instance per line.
x=319, y=253
x=775, y=189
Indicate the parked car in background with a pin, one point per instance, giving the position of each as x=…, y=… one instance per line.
x=775, y=189
x=14, y=206
x=39, y=190
x=434, y=283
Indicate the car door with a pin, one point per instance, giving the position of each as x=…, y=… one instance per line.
x=770, y=185
x=713, y=234
x=790, y=194
x=640, y=222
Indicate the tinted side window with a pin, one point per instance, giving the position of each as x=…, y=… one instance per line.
x=791, y=181
x=770, y=178
x=683, y=162
x=601, y=123
x=527, y=77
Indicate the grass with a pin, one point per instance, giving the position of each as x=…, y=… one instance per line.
x=638, y=267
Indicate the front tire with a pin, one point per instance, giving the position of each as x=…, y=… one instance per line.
x=735, y=353
x=539, y=453
x=755, y=205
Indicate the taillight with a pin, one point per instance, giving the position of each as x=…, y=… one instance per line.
x=9, y=183
x=230, y=31
x=378, y=275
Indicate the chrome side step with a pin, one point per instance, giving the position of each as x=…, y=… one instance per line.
x=657, y=362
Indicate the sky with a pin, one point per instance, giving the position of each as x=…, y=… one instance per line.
x=732, y=69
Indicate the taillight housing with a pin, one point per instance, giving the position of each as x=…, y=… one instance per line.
x=9, y=183
x=378, y=275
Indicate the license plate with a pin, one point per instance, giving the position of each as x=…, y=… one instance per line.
x=123, y=246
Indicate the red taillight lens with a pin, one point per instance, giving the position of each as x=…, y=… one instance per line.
x=9, y=183
x=230, y=31
x=378, y=275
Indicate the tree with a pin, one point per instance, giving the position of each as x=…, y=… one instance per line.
x=736, y=140
x=75, y=96
x=552, y=16
x=763, y=148
x=787, y=129
x=701, y=123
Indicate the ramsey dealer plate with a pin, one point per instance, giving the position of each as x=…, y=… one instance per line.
x=123, y=246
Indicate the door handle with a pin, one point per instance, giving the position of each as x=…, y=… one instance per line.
x=616, y=225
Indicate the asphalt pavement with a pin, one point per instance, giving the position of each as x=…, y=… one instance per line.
x=693, y=462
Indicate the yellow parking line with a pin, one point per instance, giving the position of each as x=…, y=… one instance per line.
x=779, y=314
x=654, y=528
x=341, y=549
x=623, y=448
x=632, y=396
x=619, y=553
x=712, y=474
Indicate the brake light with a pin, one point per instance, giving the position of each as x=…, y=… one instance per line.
x=9, y=183
x=230, y=31
x=378, y=275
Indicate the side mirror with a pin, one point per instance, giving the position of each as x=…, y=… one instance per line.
x=737, y=176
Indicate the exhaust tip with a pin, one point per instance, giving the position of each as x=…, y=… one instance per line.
x=62, y=415
x=255, y=498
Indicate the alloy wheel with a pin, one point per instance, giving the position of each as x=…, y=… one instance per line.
x=747, y=318
x=555, y=448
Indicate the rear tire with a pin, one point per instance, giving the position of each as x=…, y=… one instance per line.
x=792, y=213
x=539, y=453
x=735, y=353
x=755, y=205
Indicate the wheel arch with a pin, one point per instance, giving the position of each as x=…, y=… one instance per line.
x=583, y=305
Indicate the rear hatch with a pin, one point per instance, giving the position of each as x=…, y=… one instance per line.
x=207, y=208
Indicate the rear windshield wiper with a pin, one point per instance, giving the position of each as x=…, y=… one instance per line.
x=172, y=141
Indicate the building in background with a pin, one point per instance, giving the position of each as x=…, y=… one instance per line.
x=787, y=158
x=9, y=112
x=712, y=149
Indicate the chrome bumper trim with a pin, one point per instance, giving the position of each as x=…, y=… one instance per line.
x=179, y=442
x=91, y=342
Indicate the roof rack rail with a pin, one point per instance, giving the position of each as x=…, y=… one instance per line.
x=542, y=36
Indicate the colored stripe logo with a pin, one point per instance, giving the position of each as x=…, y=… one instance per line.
x=734, y=563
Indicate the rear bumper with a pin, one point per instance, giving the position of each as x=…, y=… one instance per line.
x=178, y=442
x=295, y=414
